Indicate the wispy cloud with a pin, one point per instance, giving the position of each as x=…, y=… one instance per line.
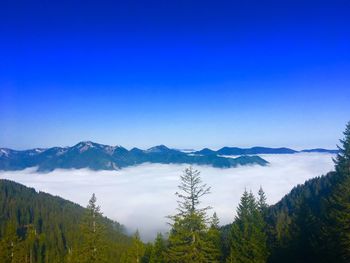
x=142, y=196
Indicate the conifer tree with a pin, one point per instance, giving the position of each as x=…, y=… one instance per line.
x=135, y=252
x=31, y=242
x=262, y=205
x=342, y=161
x=248, y=239
x=188, y=235
x=137, y=248
x=10, y=245
x=214, y=239
x=339, y=203
x=158, y=250
x=146, y=258
x=92, y=250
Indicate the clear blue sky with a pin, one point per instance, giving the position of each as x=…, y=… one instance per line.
x=181, y=73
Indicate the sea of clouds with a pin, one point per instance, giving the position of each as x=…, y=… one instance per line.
x=141, y=197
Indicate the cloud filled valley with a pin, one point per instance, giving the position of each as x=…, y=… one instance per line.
x=142, y=196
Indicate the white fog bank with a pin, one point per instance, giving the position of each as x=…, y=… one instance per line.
x=141, y=197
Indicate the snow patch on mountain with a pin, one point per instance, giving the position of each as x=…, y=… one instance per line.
x=4, y=152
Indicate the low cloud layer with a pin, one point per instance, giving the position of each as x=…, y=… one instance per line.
x=142, y=196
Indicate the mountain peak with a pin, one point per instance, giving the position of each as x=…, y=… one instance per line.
x=84, y=146
x=206, y=151
x=158, y=149
x=4, y=152
x=83, y=143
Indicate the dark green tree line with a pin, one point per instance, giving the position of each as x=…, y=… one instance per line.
x=248, y=237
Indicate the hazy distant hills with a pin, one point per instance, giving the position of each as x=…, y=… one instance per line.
x=104, y=157
x=245, y=151
x=258, y=150
x=320, y=150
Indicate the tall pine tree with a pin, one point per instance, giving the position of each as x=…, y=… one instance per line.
x=158, y=250
x=188, y=240
x=135, y=252
x=11, y=247
x=262, y=205
x=92, y=249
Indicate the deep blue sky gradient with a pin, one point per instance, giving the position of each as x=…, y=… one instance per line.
x=181, y=73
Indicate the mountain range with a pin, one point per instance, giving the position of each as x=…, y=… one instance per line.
x=96, y=156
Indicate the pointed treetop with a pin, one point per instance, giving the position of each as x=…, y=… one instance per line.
x=262, y=204
x=342, y=161
x=242, y=209
x=214, y=221
x=191, y=190
x=137, y=234
x=92, y=205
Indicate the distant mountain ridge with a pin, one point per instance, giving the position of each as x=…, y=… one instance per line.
x=96, y=156
x=258, y=150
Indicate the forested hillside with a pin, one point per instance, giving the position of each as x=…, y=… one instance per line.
x=301, y=223
x=39, y=227
x=310, y=224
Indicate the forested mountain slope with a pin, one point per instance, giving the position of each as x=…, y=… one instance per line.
x=311, y=223
x=49, y=226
